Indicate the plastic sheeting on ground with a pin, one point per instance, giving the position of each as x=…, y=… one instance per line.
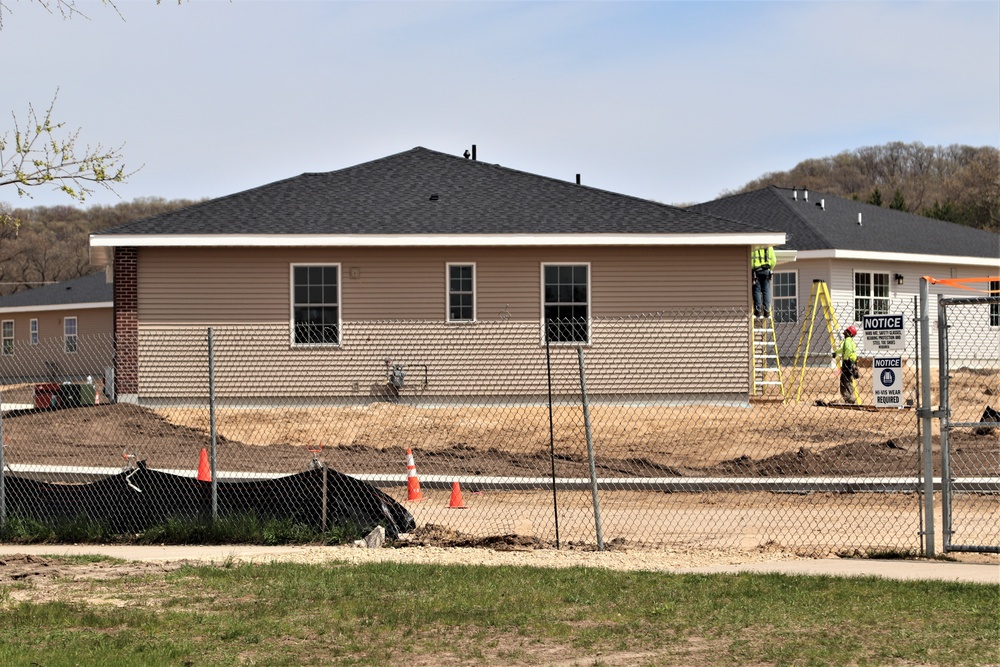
x=138, y=499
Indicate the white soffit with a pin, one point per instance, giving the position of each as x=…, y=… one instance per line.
x=868, y=255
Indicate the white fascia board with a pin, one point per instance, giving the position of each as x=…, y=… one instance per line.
x=429, y=240
x=58, y=306
x=785, y=256
x=950, y=260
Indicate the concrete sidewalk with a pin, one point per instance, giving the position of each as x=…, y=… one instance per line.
x=972, y=572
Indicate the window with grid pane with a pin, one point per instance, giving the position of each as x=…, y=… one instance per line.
x=33, y=326
x=316, y=304
x=461, y=293
x=566, y=295
x=784, y=291
x=8, y=337
x=70, y=338
x=871, y=294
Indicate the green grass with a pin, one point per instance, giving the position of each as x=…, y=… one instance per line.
x=379, y=614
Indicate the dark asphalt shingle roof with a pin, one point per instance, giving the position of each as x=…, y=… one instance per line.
x=88, y=289
x=393, y=195
x=834, y=225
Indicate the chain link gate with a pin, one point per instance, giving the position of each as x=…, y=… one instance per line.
x=969, y=344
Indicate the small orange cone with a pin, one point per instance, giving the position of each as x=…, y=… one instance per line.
x=412, y=483
x=456, y=497
x=204, y=471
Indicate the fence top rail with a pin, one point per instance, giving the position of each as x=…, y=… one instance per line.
x=968, y=300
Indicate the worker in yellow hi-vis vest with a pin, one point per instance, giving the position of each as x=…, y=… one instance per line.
x=762, y=262
x=848, y=353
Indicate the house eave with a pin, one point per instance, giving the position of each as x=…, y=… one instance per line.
x=868, y=255
x=57, y=306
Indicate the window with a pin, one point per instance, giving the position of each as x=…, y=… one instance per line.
x=8, y=337
x=566, y=302
x=33, y=327
x=316, y=304
x=70, y=335
x=995, y=307
x=785, y=301
x=871, y=294
x=461, y=292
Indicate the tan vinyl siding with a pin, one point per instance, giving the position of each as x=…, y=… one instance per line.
x=48, y=360
x=229, y=286
x=395, y=309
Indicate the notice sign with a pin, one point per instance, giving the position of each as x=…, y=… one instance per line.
x=883, y=332
x=887, y=381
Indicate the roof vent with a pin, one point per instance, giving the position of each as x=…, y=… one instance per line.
x=805, y=195
x=822, y=204
x=795, y=194
x=434, y=197
x=578, y=179
x=859, y=219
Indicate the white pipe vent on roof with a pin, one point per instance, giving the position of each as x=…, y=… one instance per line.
x=859, y=218
x=795, y=194
x=822, y=204
x=805, y=195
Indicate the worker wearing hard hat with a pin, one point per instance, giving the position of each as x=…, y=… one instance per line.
x=848, y=353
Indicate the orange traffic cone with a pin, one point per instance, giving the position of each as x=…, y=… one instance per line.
x=412, y=483
x=456, y=497
x=204, y=471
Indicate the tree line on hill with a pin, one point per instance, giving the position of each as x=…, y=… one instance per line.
x=49, y=244
x=961, y=184
x=956, y=183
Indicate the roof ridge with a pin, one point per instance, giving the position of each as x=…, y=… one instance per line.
x=772, y=189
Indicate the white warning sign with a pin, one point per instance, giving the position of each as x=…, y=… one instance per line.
x=883, y=332
x=887, y=381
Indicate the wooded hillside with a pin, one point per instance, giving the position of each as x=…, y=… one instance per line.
x=955, y=183
x=49, y=244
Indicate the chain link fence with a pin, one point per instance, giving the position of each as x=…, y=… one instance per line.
x=970, y=435
x=655, y=430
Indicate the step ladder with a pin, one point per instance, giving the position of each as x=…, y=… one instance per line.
x=767, y=379
x=820, y=302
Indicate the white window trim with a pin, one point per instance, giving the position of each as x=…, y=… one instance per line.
x=33, y=331
x=871, y=297
x=291, y=307
x=590, y=303
x=774, y=301
x=67, y=336
x=4, y=338
x=447, y=292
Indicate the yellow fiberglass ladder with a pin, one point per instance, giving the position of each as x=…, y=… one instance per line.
x=819, y=299
x=766, y=363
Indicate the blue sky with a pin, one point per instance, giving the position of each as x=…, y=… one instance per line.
x=671, y=101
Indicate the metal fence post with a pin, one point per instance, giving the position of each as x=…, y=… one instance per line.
x=3, y=467
x=944, y=420
x=590, y=451
x=926, y=419
x=552, y=441
x=211, y=419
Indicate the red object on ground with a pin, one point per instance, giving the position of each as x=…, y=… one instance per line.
x=44, y=393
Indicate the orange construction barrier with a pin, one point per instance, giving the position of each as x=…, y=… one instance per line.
x=204, y=470
x=412, y=483
x=456, y=497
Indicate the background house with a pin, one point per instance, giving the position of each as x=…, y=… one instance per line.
x=427, y=259
x=59, y=332
x=871, y=258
